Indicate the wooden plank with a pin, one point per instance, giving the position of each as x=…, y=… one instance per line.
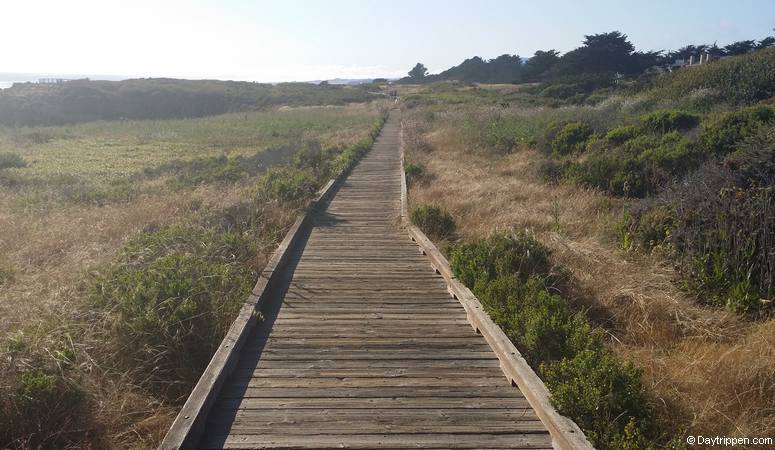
x=472, y=405
x=475, y=392
x=361, y=363
x=359, y=382
x=379, y=441
x=286, y=354
x=407, y=424
x=366, y=372
x=473, y=341
x=399, y=415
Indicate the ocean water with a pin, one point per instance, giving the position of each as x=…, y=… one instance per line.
x=7, y=84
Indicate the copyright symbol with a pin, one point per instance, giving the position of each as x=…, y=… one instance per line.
x=690, y=440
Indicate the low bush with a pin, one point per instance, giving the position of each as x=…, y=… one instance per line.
x=170, y=297
x=638, y=167
x=482, y=261
x=415, y=172
x=286, y=184
x=10, y=160
x=435, y=222
x=621, y=134
x=721, y=134
x=605, y=396
x=665, y=120
x=571, y=138
x=539, y=323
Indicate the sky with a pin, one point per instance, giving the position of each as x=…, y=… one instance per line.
x=287, y=40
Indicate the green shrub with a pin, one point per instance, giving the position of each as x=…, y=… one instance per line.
x=723, y=132
x=601, y=393
x=621, y=134
x=287, y=185
x=414, y=172
x=484, y=260
x=571, y=138
x=539, y=323
x=171, y=295
x=637, y=167
x=434, y=221
x=665, y=120
x=10, y=160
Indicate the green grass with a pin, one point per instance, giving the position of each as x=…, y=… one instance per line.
x=106, y=150
x=107, y=162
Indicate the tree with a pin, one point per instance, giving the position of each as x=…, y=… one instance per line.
x=602, y=53
x=767, y=42
x=542, y=61
x=503, y=69
x=418, y=72
x=740, y=47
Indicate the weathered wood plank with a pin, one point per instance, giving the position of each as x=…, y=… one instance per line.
x=473, y=405
x=373, y=441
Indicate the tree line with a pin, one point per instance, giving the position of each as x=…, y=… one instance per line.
x=604, y=53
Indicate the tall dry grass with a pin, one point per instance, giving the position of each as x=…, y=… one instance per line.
x=708, y=371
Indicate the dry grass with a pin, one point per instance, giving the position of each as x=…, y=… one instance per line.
x=49, y=248
x=708, y=371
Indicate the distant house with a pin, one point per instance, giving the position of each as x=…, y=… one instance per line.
x=704, y=58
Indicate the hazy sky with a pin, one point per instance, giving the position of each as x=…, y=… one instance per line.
x=304, y=40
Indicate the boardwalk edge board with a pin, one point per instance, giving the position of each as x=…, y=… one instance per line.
x=566, y=434
x=186, y=431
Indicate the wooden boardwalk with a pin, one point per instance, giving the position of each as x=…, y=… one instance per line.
x=362, y=345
